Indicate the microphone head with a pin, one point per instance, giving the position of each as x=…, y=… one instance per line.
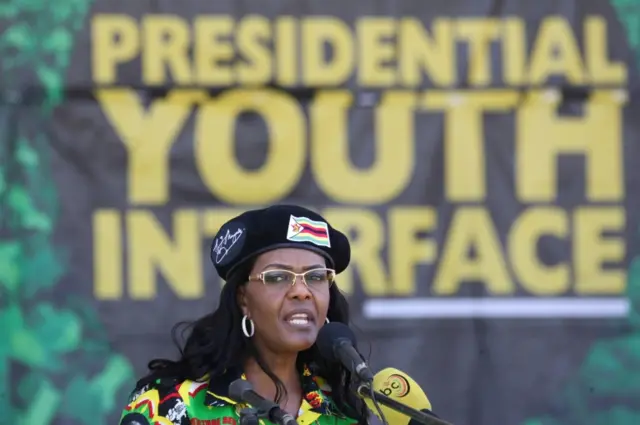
x=328, y=336
x=401, y=387
x=238, y=388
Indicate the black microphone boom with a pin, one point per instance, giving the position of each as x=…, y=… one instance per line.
x=417, y=416
x=242, y=391
x=336, y=342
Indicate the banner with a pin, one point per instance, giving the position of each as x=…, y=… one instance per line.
x=480, y=155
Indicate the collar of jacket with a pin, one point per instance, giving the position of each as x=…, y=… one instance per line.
x=315, y=403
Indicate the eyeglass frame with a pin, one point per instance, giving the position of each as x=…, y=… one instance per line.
x=260, y=276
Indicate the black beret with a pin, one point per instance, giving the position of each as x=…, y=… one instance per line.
x=279, y=226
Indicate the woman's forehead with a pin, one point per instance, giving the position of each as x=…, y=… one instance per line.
x=292, y=257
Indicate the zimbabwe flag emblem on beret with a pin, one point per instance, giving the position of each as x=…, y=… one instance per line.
x=301, y=229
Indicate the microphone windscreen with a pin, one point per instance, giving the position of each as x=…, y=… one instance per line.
x=329, y=334
x=238, y=388
x=399, y=386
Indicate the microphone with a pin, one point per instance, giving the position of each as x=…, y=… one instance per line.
x=403, y=401
x=242, y=391
x=337, y=343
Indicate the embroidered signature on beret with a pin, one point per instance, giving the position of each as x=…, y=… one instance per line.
x=229, y=242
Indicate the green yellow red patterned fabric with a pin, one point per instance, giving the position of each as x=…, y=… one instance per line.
x=206, y=402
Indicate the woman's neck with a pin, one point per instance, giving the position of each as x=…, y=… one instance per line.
x=282, y=366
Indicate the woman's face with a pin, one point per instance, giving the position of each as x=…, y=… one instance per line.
x=286, y=317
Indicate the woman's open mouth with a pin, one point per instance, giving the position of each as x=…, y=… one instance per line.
x=300, y=319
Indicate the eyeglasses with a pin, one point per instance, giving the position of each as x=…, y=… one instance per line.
x=312, y=278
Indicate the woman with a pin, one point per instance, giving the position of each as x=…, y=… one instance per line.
x=279, y=265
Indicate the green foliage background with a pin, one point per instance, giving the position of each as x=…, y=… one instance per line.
x=58, y=353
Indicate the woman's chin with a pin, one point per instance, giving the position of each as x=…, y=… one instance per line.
x=297, y=343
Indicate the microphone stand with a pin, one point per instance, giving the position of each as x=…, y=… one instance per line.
x=249, y=416
x=364, y=390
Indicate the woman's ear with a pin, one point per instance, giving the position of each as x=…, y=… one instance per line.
x=242, y=300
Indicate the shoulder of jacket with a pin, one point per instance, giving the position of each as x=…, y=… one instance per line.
x=165, y=387
x=162, y=401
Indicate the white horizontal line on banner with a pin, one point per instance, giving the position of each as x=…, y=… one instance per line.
x=498, y=308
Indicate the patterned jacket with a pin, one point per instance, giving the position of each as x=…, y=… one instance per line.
x=206, y=402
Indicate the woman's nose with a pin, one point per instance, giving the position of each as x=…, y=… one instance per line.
x=299, y=289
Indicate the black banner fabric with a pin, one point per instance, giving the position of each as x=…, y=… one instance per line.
x=482, y=156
